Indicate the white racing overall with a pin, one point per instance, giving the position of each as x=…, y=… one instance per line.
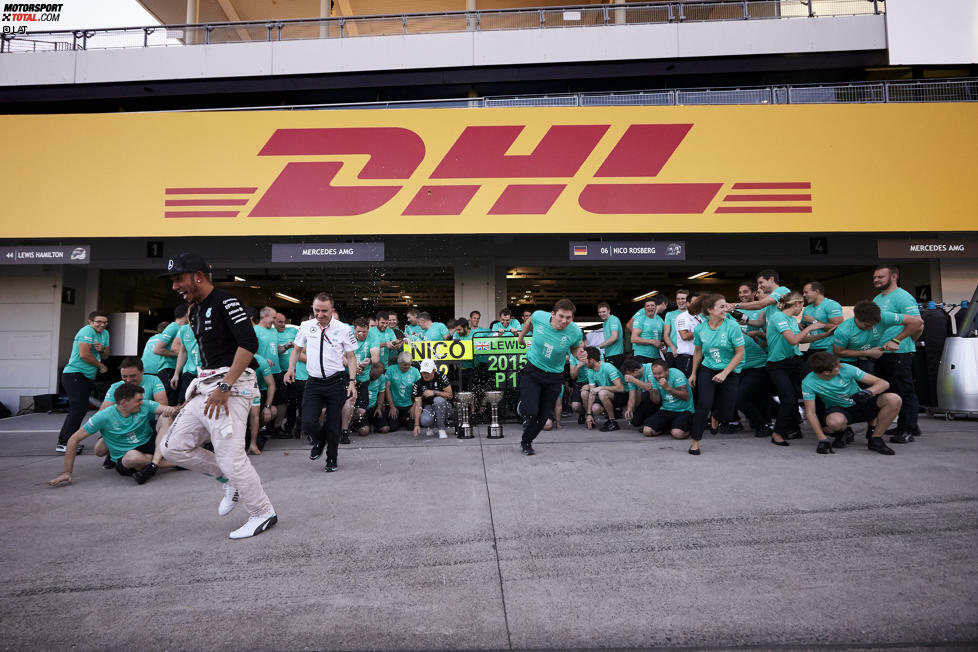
x=191, y=428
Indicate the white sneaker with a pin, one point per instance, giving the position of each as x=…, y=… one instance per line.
x=429, y=433
x=60, y=448
x=230, y=500
x=442, y=434
x=255, y=525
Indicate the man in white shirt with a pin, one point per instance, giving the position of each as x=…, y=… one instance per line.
x=685, y=325
x=330, y=347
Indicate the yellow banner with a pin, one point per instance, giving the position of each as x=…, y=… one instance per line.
x=826, y=168
x=442, y=350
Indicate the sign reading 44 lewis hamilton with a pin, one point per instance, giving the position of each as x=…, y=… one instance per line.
x=628, y=250
x=45, y=255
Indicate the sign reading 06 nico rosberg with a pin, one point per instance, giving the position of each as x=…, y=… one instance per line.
x=631, y=169
x=671, y=250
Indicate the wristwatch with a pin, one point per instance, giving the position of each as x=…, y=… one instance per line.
x=224, y=387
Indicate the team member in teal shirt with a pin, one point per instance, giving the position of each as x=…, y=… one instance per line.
x=366, y=353
x=837, y=385
x=718, y=357
x=896, y=364
x=289, y=392
x=375, y=415
x=128, y=438
x=613, y=344
x=671, y=390
x=413, y=330
x=386, y=340
x=165, y=349
x=785, y=366
x=131, y=371
x=753, y=393
x=859, y=340
x=152, y=362
x=605, y=391
x=89, y=348
x=554, y=336
x=819, y=308
x=188, y=360
x=506, y=324
x=767, y=284
x=647, y=330
x=432, y=331
x=400, y=384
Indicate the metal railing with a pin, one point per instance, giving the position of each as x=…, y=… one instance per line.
x=964, y=89
x=632, y=13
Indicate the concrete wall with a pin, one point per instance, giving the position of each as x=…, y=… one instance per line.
x=449, y=50
x=30, y=322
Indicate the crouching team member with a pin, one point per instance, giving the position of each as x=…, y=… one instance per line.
x=374, y=415
x=432, y=400
x=126, y=432
x=605, y=391
x=400, y=386
x=836, y=385
x=219, y=400
x=554, y=335
x=671, y=391
x=638, y=380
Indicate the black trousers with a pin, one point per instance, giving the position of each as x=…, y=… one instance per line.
x=643, y=410
x=166, y=375
x=684, y=362
x=293, y=392
x=327, y=394
x=897, y=369
x=538, y=393
x=712, y=396
x=786, y=376
x=185, y=380
x=868, y=365
x=79, y=388
x=754, y=396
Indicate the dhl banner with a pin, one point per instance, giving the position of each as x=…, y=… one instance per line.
x=790, y=168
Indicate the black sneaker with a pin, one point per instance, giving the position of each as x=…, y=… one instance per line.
x=850, y=435
x=609, y=426
x=877, y=444
x=145, y=473
x=902, y=437
x=580, y=419
x=730, y=428
x=838, y=441
x=316, y=450
x=345, y=437
x=108, y=464
x=870, y=431
x=331, y=465
x=763, y=431
x=527, y=449
x=824, y=447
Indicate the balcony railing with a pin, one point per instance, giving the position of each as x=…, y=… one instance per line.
x=431, y=23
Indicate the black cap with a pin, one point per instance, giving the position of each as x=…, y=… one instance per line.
x=187, y=262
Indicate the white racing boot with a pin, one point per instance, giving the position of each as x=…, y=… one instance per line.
x=230, y=500
x=255, y=525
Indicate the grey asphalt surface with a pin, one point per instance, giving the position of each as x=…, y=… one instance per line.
x=600, y=540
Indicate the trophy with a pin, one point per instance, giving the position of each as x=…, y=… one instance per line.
x=495, y=427
x=463, y=415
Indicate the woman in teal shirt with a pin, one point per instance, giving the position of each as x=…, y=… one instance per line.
x=785, y=366
x=90, y=347
x=718, y=357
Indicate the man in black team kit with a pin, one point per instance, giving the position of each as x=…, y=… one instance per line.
x=219, y=399
x=554, y=335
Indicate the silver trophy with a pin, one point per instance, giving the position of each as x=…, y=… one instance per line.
x=463, y=415
x=495, y=427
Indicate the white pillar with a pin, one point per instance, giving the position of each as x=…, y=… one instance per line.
x=190, y=36
x=323, y=13
x=619, y=13
x=476, y=288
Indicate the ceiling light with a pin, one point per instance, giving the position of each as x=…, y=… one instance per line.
x=238, y=278
x=646, y=295
x=406, y=296
x=701, y=275
x=254, y=287
x=287, y=297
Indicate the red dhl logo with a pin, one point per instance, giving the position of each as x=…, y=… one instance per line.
x=305, y=188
